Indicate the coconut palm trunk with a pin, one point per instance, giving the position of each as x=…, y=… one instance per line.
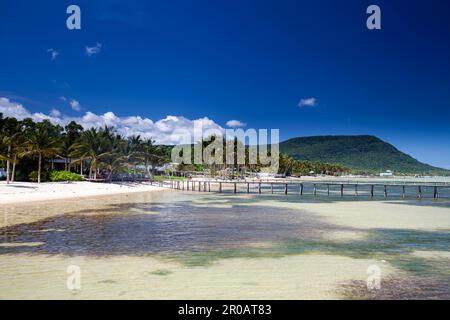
x=95, y=172
x=13, y=174
x=8, y=164
x=39, y=167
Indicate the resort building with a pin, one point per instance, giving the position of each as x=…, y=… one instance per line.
x=388, y=173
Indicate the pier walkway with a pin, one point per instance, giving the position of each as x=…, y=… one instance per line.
x=315, y=188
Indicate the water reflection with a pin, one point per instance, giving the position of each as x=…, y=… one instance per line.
x=163, y=228
x=198, y=229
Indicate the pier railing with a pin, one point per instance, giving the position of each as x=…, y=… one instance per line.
x=315, y=188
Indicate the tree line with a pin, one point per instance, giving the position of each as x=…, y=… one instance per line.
x=288, y=166
x=28, y=148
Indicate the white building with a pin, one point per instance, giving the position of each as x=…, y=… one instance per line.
x=388, y=173
x=172, y=166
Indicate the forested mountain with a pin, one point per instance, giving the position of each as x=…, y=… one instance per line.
x=360, y=153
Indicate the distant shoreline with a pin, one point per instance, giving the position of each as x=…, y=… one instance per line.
x=438, y=180
x=24, y=192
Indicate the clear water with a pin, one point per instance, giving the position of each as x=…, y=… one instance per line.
x=199, y=229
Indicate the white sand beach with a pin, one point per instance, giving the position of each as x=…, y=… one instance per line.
x=20, y=192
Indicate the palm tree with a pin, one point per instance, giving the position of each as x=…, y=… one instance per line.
x=6, y=155
x=92, y=146
x=72, y=132
x=153, y=155
x=286, y=164
x=134, y=150
x=148, y=151
x=10, y=129
x=114, y=159
x=15, y=143
x=40, y=141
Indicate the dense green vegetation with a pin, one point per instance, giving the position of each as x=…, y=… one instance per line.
x=365, y=154
x=292, y=167
x=57, y=176
x=164, y=178
x=287, y=165
x=29, y=150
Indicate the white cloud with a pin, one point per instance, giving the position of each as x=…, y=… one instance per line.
x=63, y=98
x=170, y=130
x=75, y=105
x=12, y=109
x=94, y=50
x=54, y=54
x=55, y=113
x=236, y=124
x=309, y=102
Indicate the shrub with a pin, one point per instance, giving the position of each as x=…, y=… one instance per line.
x=56, y=176
x=33, y=176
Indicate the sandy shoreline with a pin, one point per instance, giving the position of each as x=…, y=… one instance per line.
x=20, y=192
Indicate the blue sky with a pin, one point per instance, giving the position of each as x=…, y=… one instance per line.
x=251, y=61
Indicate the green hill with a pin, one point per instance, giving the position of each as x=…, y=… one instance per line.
x=360, y=153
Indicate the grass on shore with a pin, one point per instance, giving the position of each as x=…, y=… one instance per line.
x=165, y=178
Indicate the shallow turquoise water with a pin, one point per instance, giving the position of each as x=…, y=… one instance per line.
x=200, y=229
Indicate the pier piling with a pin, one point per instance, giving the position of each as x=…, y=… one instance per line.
x=430, y=191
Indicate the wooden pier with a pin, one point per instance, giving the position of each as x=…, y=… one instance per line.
x=315, y=188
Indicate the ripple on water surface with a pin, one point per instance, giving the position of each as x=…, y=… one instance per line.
x=198, y=230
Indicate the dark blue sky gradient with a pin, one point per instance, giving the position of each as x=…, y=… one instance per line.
x=246, y=60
